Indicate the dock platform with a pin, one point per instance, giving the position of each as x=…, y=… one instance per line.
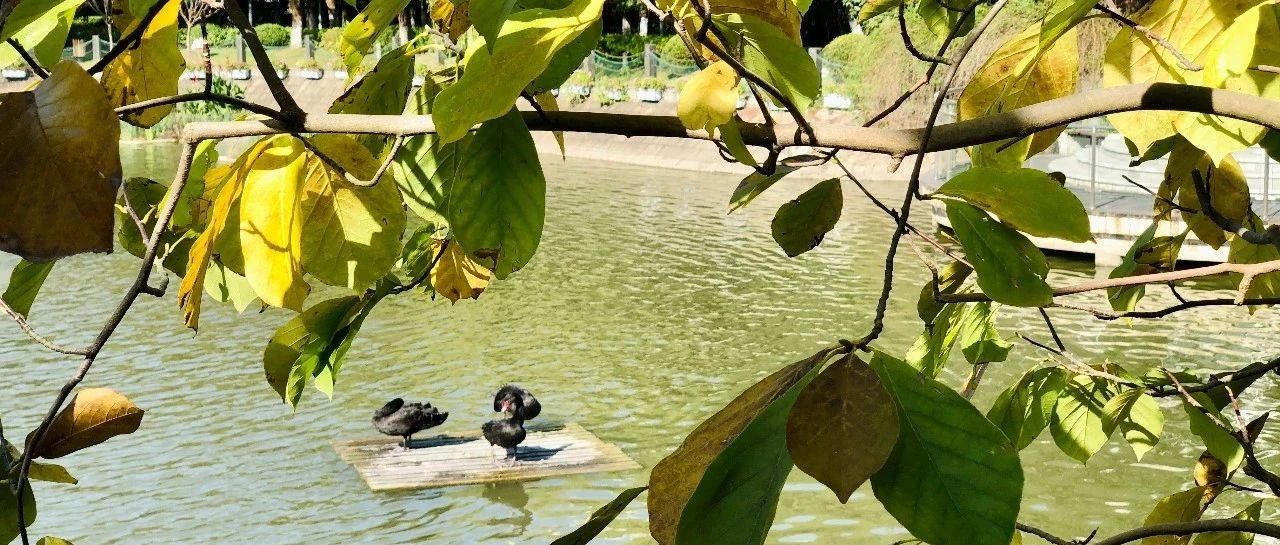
x=459, y=460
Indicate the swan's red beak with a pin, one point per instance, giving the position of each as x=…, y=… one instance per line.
x=506, y=405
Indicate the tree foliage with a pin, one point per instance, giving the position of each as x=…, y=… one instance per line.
x=440, y=190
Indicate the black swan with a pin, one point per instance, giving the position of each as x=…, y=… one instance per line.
x=397, y=418
x=509, y=432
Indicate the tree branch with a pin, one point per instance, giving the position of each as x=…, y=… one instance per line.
x=27, y=58
x=1155, y=278
x=205, y=96
x=128, y=40
x=285, y=100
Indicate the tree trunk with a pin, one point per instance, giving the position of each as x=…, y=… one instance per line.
x=295, y=34
x=402, y=22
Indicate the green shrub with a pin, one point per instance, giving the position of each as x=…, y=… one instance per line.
x=630, y=44
x=674, y=50
x=83, y=28
x=329, y=40
x=272, y=35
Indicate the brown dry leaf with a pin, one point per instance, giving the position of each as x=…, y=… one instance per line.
x=843, y=426
x=92, y=416
x=457, y=276
x=674, y=480
x=59, y=167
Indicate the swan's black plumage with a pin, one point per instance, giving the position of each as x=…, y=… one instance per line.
x=519, y=405
x=517, y=395
x=404, y=420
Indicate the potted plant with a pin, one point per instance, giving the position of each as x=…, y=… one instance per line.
x=420, y=73
x=337, y=69
x=649, y=89
x=282, y=70
x=309, y=69
x=16, y=71
x=611, y=91
x=238, y=70
x=578, y=85
x=839, y=96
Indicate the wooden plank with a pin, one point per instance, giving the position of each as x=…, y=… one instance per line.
x=444, y=460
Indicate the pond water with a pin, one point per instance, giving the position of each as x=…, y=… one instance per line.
x=645, y=310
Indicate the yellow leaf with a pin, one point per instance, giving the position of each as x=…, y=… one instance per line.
x=452, y=19
x=271, y=224
x=50, y=540
x=223, y=186
x=457, y=276
x=1019, y=74
x=710, y=97
x=1227, y=189
x=1253, y=39
x=92, y=416
x=1180, y=507
x=149, y=70
x=548, y=102
x=59, y=167
x=783, y=14
x=1131, y=57
x=350, y=234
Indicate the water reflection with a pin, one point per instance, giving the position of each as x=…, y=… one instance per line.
x=646, y=309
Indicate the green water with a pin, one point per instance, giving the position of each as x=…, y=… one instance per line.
x=645, y=310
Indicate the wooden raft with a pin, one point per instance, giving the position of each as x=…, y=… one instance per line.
x=449, y=460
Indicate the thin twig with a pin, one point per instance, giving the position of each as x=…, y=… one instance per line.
x=203, y=96
x=130, y=39
x=1183, y=61
x=31, y=332
x=31, y=61
x=911, y=46
x=267, y=70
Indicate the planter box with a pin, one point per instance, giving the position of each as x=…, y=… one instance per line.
x=339, y=74
x=240, y=74
x=310, y=73
x=194, y=75
x=282, y=74
x=15, y=74
x=648, y=95
x=835, y=101
x=615, y=95
x=418, y=81
x=577, y=90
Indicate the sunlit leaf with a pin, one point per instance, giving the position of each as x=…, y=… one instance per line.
x=497, y=202
x=601, y=519
x=1027, y=199
x=426, y=167
x=452, y=19
x=755, y=184
x=1024, y=410
x=1078, y=420
x=953, y=478
x=1126, y=298
x=1266, y=285
x=843, y=426
x=1252, y=512
x=1219, y=441
x=358, y=36
x=149, y=70
x=801, y=224
x=487, y=16
x=492, y=80
x=50, y=540
x=568, y=59
x=872, y=8
x=1011, y=270
x=977, y=336
x=950, y=278
x=44, y=38
x=92, y=416
x=382, y=91
x=59, y=167
x=1180, y=507
x=1228, y=190
x=710, y=98
x=24, y=284
x=271, y=223
x=674, y=479
x=457, y=276
x=776, y=56
x=305, y=345
x=225, y=286
x=1137, y=415
x=38, y=471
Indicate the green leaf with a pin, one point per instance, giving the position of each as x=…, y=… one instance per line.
x=843, y=426
x=496, y=203
x=1180, y=507
x=1026, y=199
x=932, y=349
x=39, y=471
x=358, y=36
x=306, y=344
x=1077, y=423
x=737, y=498
x=600, y=519
x=43, y=39
x=350, y=234
x=31, y=12
x=493, y=80
x=1252, y=512
x=800, y=224
x=146, y=196
x=9, y=510
x=1265, y=285
x=1023, y=410
x=978, y=338
x=1063, y=15
x=1219, y=441
x=425, y=167
x=1011, y=270
x=225, y=286
x=1137, y=415
x=382, y=91
x=953, y=478
x=755, y=184
x=568, y=59
x=1126, y=298
x=24, y=284
x=949, y=280
x=775, y=56
x=487, y=16
x=731, y=137
x=675, y=480
x=873, y=8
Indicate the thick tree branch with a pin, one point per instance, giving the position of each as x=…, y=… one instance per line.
x=260, y=57
x=893, y=142
x=205, y=96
